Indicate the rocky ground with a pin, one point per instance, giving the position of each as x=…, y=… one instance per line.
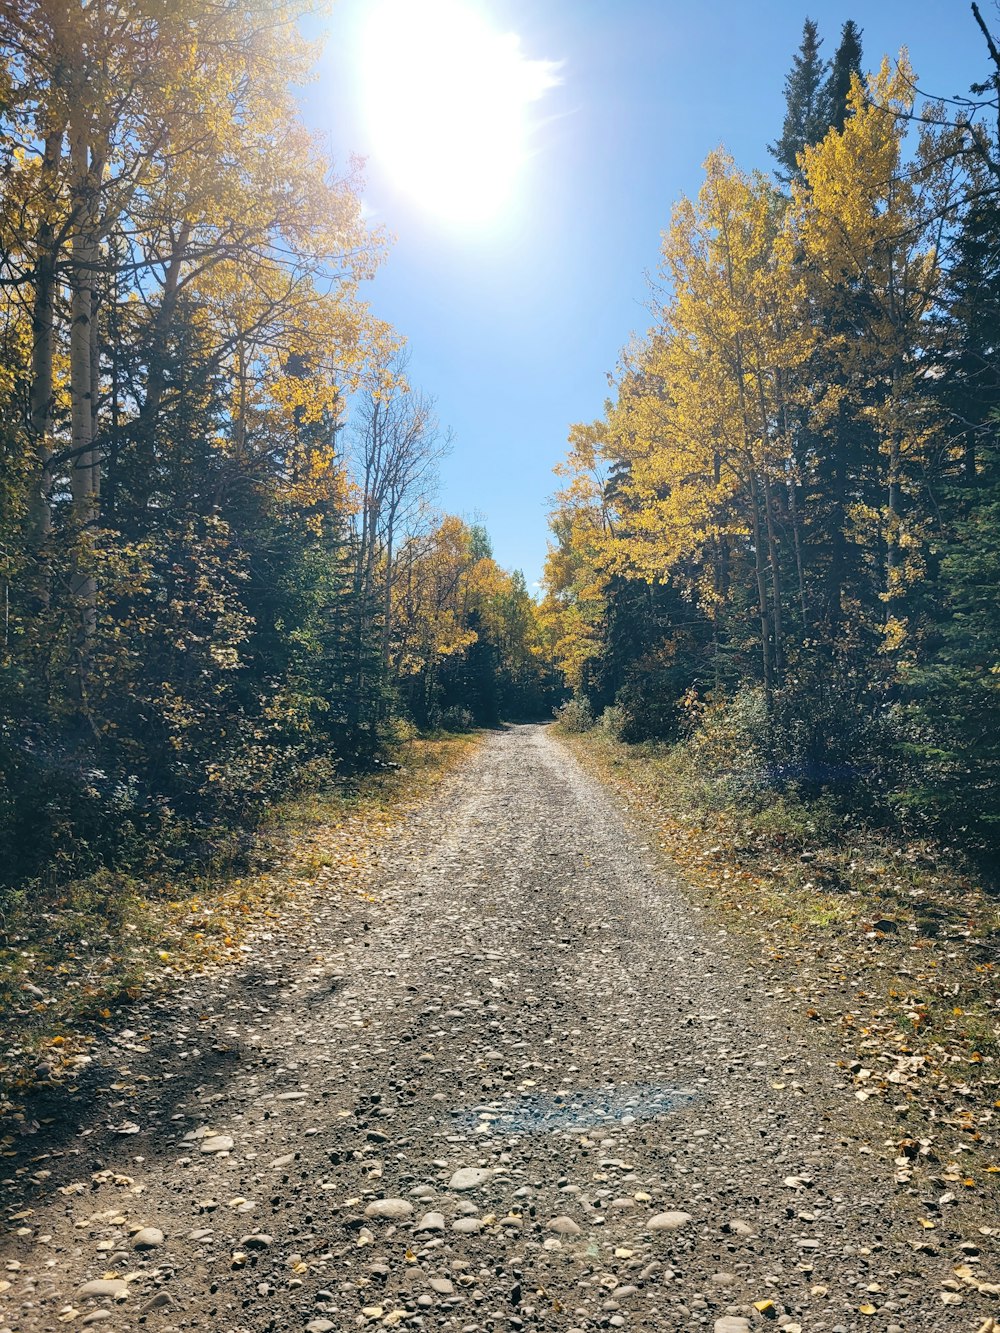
x=522, y=1085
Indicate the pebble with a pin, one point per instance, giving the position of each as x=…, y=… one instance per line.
x=431, y=1222
x=469, y=1178
x=148, y=1238
x=217, y=1143
x=668, y=1221
x=389, y=1208
x=113, y=1287
x=162, y=1300
x=564, y=1226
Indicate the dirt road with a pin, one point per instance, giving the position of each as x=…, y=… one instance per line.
x=524, y=1086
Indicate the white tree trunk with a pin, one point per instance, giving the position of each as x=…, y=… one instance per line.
x=85, y=469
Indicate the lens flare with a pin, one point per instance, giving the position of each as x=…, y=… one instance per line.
x=447, y=101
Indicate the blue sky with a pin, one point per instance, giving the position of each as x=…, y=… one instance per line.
x=514, y=326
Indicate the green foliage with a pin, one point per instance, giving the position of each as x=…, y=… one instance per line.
x=845, y=66
x=614, y=722
x=817, y=94
x=805, y=104
x=457, y=719
x=656, y=648
x=575, y=715
x=952, y=709
x=817, y=742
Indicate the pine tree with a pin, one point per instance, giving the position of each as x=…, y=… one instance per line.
x=805, y=122
x=833, y=102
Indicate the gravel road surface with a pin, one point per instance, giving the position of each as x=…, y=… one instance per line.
x=525, y=1086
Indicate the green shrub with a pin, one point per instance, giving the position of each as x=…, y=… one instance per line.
x=615, y=722
x=817, y=745
x=575, y=715
x=457, y=719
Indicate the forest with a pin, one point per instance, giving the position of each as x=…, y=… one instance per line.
x=779, y=547
x=222, y=571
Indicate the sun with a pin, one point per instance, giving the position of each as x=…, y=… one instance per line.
x=447, y=99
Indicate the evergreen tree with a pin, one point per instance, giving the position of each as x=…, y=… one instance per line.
x=805, y=122
x=968, y=376
x=845, y=64
x=953, y=716
x=953, y=690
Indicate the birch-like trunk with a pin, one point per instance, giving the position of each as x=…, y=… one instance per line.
x=767, y=659
x=893, y=495
x=85, y=465
x=792, y=484
x=387, y=598
x=42, y=335
x=777, y=592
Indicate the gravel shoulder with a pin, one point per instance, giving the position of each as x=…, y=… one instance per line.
x=519, y=1083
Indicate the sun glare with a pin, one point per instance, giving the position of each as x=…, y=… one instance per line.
x=447, y=101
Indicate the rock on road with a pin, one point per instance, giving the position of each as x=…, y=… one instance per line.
x=525, y=1086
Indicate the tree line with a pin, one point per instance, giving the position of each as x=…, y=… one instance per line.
x=221, y=569
x=785, y=529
